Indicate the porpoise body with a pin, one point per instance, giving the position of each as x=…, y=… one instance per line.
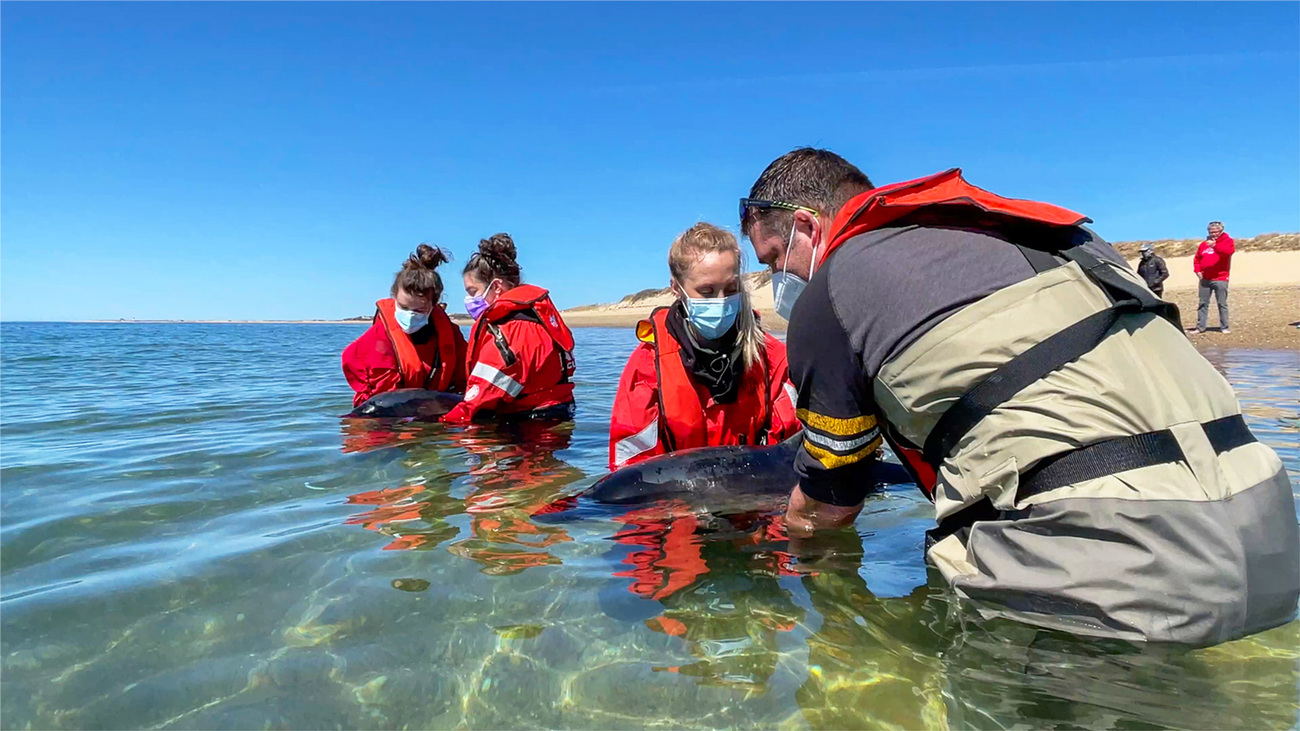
x=709, y=478
x=406, y=403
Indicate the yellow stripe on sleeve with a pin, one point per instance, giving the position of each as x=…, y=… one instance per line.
x=833, y=425
x=830, y=460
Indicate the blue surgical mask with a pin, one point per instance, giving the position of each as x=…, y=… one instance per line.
x=713, y=317
x=475, y=305
x=409, y=320
x=787, y=287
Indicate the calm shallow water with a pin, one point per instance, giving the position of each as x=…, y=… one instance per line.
x=191, y=538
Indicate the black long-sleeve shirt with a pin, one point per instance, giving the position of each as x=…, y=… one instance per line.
x=876, y=295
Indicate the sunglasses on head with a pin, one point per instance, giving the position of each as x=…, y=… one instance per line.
x=748, y=203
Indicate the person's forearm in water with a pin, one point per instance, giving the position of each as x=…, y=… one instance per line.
x=806, y=515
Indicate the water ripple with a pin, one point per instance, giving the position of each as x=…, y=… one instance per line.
x=193, y=539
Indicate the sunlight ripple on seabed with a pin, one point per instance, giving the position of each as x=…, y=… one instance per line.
x=193, y=542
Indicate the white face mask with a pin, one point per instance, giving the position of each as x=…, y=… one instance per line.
x=787, y=287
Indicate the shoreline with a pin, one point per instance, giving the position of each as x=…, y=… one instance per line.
x=1264, y=298
x=1261, y=317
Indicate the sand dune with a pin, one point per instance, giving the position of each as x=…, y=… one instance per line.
x=1251, y=269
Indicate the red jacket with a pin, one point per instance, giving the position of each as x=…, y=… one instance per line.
x=520, y=357
x=372, y=364
x=1213, y=258
x=763, y=411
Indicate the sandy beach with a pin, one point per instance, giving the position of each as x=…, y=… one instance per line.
x=1264, y=299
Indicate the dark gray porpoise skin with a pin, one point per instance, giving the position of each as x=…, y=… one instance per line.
x=710, y=475
x=406, y=403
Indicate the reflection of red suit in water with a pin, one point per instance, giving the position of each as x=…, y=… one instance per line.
x=385, y=358
x=729, y=629
x=670, y=557
x=517, y=477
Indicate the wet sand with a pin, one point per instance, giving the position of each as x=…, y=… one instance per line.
x=1261, y=317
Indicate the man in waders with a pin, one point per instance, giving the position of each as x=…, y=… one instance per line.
x=1090, y=471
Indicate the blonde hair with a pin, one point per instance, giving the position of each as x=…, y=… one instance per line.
x=705, y=238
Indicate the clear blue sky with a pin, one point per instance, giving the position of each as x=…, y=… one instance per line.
x=256, y=160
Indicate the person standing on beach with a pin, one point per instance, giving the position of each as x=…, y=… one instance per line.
x=1152, y=269
x=705, y=373
x=412, y=343
x=1211, y=263
x=1091, y=472
x=520, y=359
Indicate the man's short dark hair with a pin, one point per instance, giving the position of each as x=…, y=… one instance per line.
x=805, y=176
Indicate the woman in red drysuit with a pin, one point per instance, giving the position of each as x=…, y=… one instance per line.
x=412, y=343
x=705, y=373
x=520, y=359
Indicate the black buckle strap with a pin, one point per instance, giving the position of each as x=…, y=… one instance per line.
x=1096, y=460
x=1126, y=453
x=1228, y=433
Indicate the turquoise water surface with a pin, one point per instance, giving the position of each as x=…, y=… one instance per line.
x=190, y=537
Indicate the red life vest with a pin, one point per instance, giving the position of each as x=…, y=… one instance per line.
x=682, y=423
x=429, y=365
x=942, y=192
x=534, y=303
x=945, y=193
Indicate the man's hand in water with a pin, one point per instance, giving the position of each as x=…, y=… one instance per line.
x=805, y=515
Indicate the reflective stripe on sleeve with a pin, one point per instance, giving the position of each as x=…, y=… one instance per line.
x=643, y=441
x=841, y=445
x=793, y=394
x=831, y=460
x=496, y=378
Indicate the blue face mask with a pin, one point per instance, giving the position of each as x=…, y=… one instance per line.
x=713, y=317
x=787, y=287
x=410, y=321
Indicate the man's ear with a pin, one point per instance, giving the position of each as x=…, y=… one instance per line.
x=807, y=224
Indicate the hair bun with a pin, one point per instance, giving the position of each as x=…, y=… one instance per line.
x=500, y=250
x=495, y=259
x=427, y=257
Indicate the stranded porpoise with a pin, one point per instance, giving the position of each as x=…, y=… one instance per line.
x=711, y=477
x=406, y=403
